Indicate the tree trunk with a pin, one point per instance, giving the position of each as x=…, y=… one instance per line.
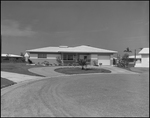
x=82, y=68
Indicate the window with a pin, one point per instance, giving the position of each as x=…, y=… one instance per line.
x=42, y=55
x=68, y=57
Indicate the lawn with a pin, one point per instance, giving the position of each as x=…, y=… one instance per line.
x=20, y=68
x=140, y=69
x=78, y=70
x=6, y=82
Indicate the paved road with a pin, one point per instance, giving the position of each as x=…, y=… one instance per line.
x=84, y=95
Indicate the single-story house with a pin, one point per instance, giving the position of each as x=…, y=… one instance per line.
x=144, y=57
x=138, y=60
x=6, y=57
x=71, y=54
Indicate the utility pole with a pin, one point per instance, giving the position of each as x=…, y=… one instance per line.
x=135, y=57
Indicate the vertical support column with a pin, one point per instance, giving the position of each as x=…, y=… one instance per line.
x=76, y=57
x=135, y=57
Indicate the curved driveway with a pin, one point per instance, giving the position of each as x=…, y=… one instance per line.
x=100, y=95
x=49, y=71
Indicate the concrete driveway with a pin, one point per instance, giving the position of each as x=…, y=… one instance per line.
x=49, y=71
x=100, y=95
x=119, y=94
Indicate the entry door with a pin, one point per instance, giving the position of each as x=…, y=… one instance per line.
x=104, y=59
x=85, y=57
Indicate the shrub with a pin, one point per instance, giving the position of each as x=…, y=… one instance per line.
x=59, y=61
x=82, y=63
x=95, y=62
x=75, y=64
x=125, y=60
x=46, y=63
x=12, y=60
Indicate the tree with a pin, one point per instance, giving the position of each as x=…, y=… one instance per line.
x=127, y=50
x=125, y=59
x=126, y=56
x=21, y=54
x=59, y=61
x=82, y=63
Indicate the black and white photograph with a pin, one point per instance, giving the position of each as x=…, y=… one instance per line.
x=74, y=58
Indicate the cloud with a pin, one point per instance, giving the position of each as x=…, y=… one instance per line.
x=12, y=28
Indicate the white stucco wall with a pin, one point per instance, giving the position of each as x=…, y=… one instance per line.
x=94, y=56
x=145, y=60
x=53, y=56
x=33, y=56
x=49, y=56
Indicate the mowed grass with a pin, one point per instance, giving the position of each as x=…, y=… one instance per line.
x=6, y=82
x=78, y=70
x=140, y=69
x=20, y=68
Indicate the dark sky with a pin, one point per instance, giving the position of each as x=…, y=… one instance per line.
x=104, y=24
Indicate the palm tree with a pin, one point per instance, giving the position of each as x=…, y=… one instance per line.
x=127, y=50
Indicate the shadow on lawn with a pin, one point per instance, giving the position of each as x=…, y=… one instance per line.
x=6, y=83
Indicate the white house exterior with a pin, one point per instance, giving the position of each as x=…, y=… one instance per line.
x=10, y=55
x=71, y=54
x=138, y=60
x=144, y=57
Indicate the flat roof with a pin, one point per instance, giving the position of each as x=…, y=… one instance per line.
x=77, y=49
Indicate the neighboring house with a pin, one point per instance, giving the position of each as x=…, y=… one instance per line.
x=5, y=57
x=132, y=59
x=71, y=54
x=144, y=57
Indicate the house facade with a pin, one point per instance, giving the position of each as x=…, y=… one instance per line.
x=144, y=57
x=71, y=54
